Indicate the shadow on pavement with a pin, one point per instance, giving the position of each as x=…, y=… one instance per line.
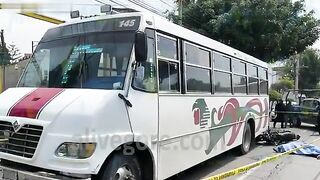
x=209, y=166
x=307, y=127
x=214, y=165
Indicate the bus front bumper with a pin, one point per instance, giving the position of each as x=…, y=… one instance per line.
x=8, y=173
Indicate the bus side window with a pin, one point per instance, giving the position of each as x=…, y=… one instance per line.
x=168, y=76
x=222, y=74
x=167, y=47
x=239, y=78
x=253, y=79
x=263, y=75
x=168, y=64
x=145, y=75
x=198, y=69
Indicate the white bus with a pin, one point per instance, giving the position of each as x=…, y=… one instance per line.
x=129, y=96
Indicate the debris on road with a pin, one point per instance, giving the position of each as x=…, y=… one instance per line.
x=276, y=137
x=308, y=149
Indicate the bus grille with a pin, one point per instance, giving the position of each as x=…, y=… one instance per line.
x=22, y=143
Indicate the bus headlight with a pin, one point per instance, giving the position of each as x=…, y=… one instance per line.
x=76, y=150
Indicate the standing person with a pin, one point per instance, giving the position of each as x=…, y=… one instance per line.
x=318, y=117
x=288, y=114
x=280, y=108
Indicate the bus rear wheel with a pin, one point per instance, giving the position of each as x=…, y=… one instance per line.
x=121, y=167
x=244, y=148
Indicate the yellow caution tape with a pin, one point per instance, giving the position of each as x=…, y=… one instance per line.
x=42, y=17
x=246, y=168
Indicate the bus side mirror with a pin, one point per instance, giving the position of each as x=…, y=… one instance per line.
x=141, y=47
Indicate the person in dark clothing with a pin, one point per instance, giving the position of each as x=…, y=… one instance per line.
x=288, y=115
x=318, y=117
x=280, y=108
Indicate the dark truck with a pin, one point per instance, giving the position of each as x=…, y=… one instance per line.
x=307, y=112
x=307, y=108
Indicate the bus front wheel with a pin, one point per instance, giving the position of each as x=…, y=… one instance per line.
x=122, y=167
x=244, y=148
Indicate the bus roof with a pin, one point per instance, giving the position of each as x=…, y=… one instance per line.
x=162, y=24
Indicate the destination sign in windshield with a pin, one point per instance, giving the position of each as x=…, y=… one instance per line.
x=103, y=25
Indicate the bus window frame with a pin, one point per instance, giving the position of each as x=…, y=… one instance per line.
x=185, y=64
x=255, y=77
x=181, y=60
x=241, y=75
x=162, y=58
x=230, y=72
x=263, y=79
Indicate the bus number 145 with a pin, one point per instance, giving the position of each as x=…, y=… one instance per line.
x=127, y=23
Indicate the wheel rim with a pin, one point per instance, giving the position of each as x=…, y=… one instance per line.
x=124, y=173
x=247, y=139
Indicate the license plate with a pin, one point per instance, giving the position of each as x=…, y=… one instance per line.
x=10, y=174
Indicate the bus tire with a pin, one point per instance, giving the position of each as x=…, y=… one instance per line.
x=121, y=167
x=245, y=146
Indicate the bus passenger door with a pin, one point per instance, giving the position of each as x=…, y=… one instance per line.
x=143, y=96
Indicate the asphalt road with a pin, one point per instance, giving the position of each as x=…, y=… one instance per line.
x=287, y=167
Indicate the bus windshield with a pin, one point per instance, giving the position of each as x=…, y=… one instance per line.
x=92, y=60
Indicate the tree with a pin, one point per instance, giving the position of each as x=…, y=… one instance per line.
x=8, y=54
x=274, y=95
x=309, y=73
x=4, y=56
x=14, y=53
x=283, y=85
x=269, y=30
x=288, y=70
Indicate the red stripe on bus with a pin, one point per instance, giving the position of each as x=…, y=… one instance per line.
x=30, y=105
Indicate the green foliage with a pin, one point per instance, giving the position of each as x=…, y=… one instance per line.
x=309, y=75
x=269, y=30
x=283, y=85
x=9, y=55
x=291, y=100
x=309, y=71
x=14, y=52
x=288, y=70
x=4, y=56
x=274, y=95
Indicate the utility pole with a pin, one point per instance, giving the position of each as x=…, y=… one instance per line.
x=34, y=44
x=180, y=12
x=297, y=68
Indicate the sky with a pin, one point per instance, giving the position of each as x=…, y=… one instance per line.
x=21, y=30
